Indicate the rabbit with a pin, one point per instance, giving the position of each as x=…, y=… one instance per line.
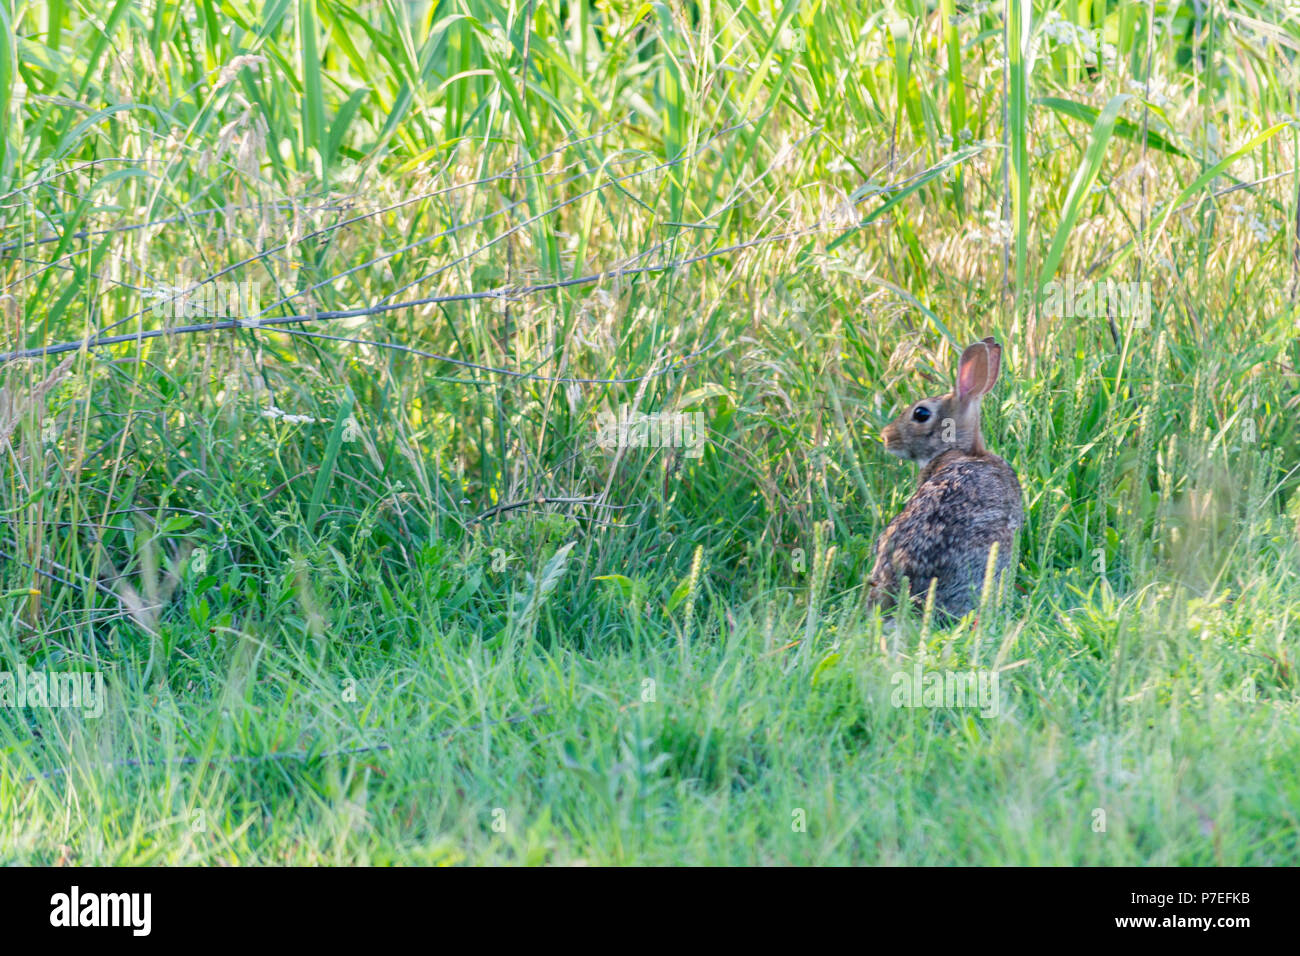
x=966, y=499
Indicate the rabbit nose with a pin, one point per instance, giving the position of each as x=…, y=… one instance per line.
x=890, y=434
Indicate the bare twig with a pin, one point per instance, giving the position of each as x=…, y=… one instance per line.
x=326, y=230
x=498, y=293
x=167, y=220
x=539, y=500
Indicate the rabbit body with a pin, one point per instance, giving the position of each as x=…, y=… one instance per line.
x=967, y=498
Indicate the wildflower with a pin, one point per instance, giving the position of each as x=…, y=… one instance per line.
x=272, y=411
x=231, y=69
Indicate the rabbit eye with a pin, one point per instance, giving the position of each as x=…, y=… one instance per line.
x=921, y=414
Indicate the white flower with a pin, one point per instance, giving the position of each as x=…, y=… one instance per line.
x=996, y=229
x=1262, y=229
x=231, y=69
x=271, y=411
x=1153, y=91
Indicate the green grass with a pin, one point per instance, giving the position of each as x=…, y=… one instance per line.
x=321, y=647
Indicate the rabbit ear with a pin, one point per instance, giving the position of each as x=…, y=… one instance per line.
x=978, y=370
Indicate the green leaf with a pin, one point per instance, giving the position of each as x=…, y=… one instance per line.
x=625, y=584
x=467, y=589
x=326, y=473
x=176, y=523
x=678, y=595
x=1124, y=128
x=1084, y=177
x=697, y=395
x=949, y=161
x=824, y=665
x=1214, y=172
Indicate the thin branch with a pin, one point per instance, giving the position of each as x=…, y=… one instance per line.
x=325, y=230
x=539, y=500
x=168, y=220
x=496, y=294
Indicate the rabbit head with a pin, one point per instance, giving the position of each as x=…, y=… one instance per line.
x=932, y=426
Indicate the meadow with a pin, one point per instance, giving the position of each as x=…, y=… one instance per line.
x=317, y=316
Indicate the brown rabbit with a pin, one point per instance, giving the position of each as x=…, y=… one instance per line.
x=966, y=499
